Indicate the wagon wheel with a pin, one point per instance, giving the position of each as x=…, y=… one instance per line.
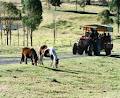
x=74, y=49
x=108, y=48
x=108, y=51
x=80, y=50
x=90, y=50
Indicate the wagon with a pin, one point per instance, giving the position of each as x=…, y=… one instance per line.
x=104, y=40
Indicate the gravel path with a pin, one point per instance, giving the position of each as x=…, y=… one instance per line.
x=16, y=60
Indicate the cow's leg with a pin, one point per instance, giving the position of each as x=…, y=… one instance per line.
x=25, y=60
x=56, y=63
x=32, y=61
x=51, y=63
x=22, y=59
x=52, y=58
x=41, y=59
x=38, y=59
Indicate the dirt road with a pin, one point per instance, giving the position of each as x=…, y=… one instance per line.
x=16, y=60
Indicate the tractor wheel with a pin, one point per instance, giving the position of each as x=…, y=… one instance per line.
x=108, y=48
x=75, y=49
x=80, y=50
x=108, y=52
x=90, y=53
x=90, y=50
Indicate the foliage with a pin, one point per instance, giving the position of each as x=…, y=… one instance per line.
x=55, y=2
x=88, y=2
x=104, y=17
x=33, y=13
x=61, y=24
x=82, y=3
x=33, y=7
x=10, y=8
x=115, y=7
x=32, y=22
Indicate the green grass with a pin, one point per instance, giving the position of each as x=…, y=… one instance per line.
x=82, y=77
x=61, y=24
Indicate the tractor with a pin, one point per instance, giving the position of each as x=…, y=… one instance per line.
x=97, y=38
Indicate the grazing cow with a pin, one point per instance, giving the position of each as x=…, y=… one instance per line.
x=29, y=53
x=48, y=52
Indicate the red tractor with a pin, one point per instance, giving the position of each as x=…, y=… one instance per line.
x=94, y=42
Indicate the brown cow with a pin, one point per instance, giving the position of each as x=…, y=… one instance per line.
x=29, y=53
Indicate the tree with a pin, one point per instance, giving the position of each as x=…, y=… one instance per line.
x=88, y=2
x=104, y=17
x=33, y=15
x=11, y=10
x=1, y=24
x=76, y=5
x=82, y=4
x=115, y=7
x=55, y=3
x=103, y=2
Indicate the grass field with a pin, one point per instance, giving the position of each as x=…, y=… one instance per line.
x=80, y=77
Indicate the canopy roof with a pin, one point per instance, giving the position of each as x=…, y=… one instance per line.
x=101, y=28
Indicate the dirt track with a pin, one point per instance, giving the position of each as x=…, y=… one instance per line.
x=15, y=60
